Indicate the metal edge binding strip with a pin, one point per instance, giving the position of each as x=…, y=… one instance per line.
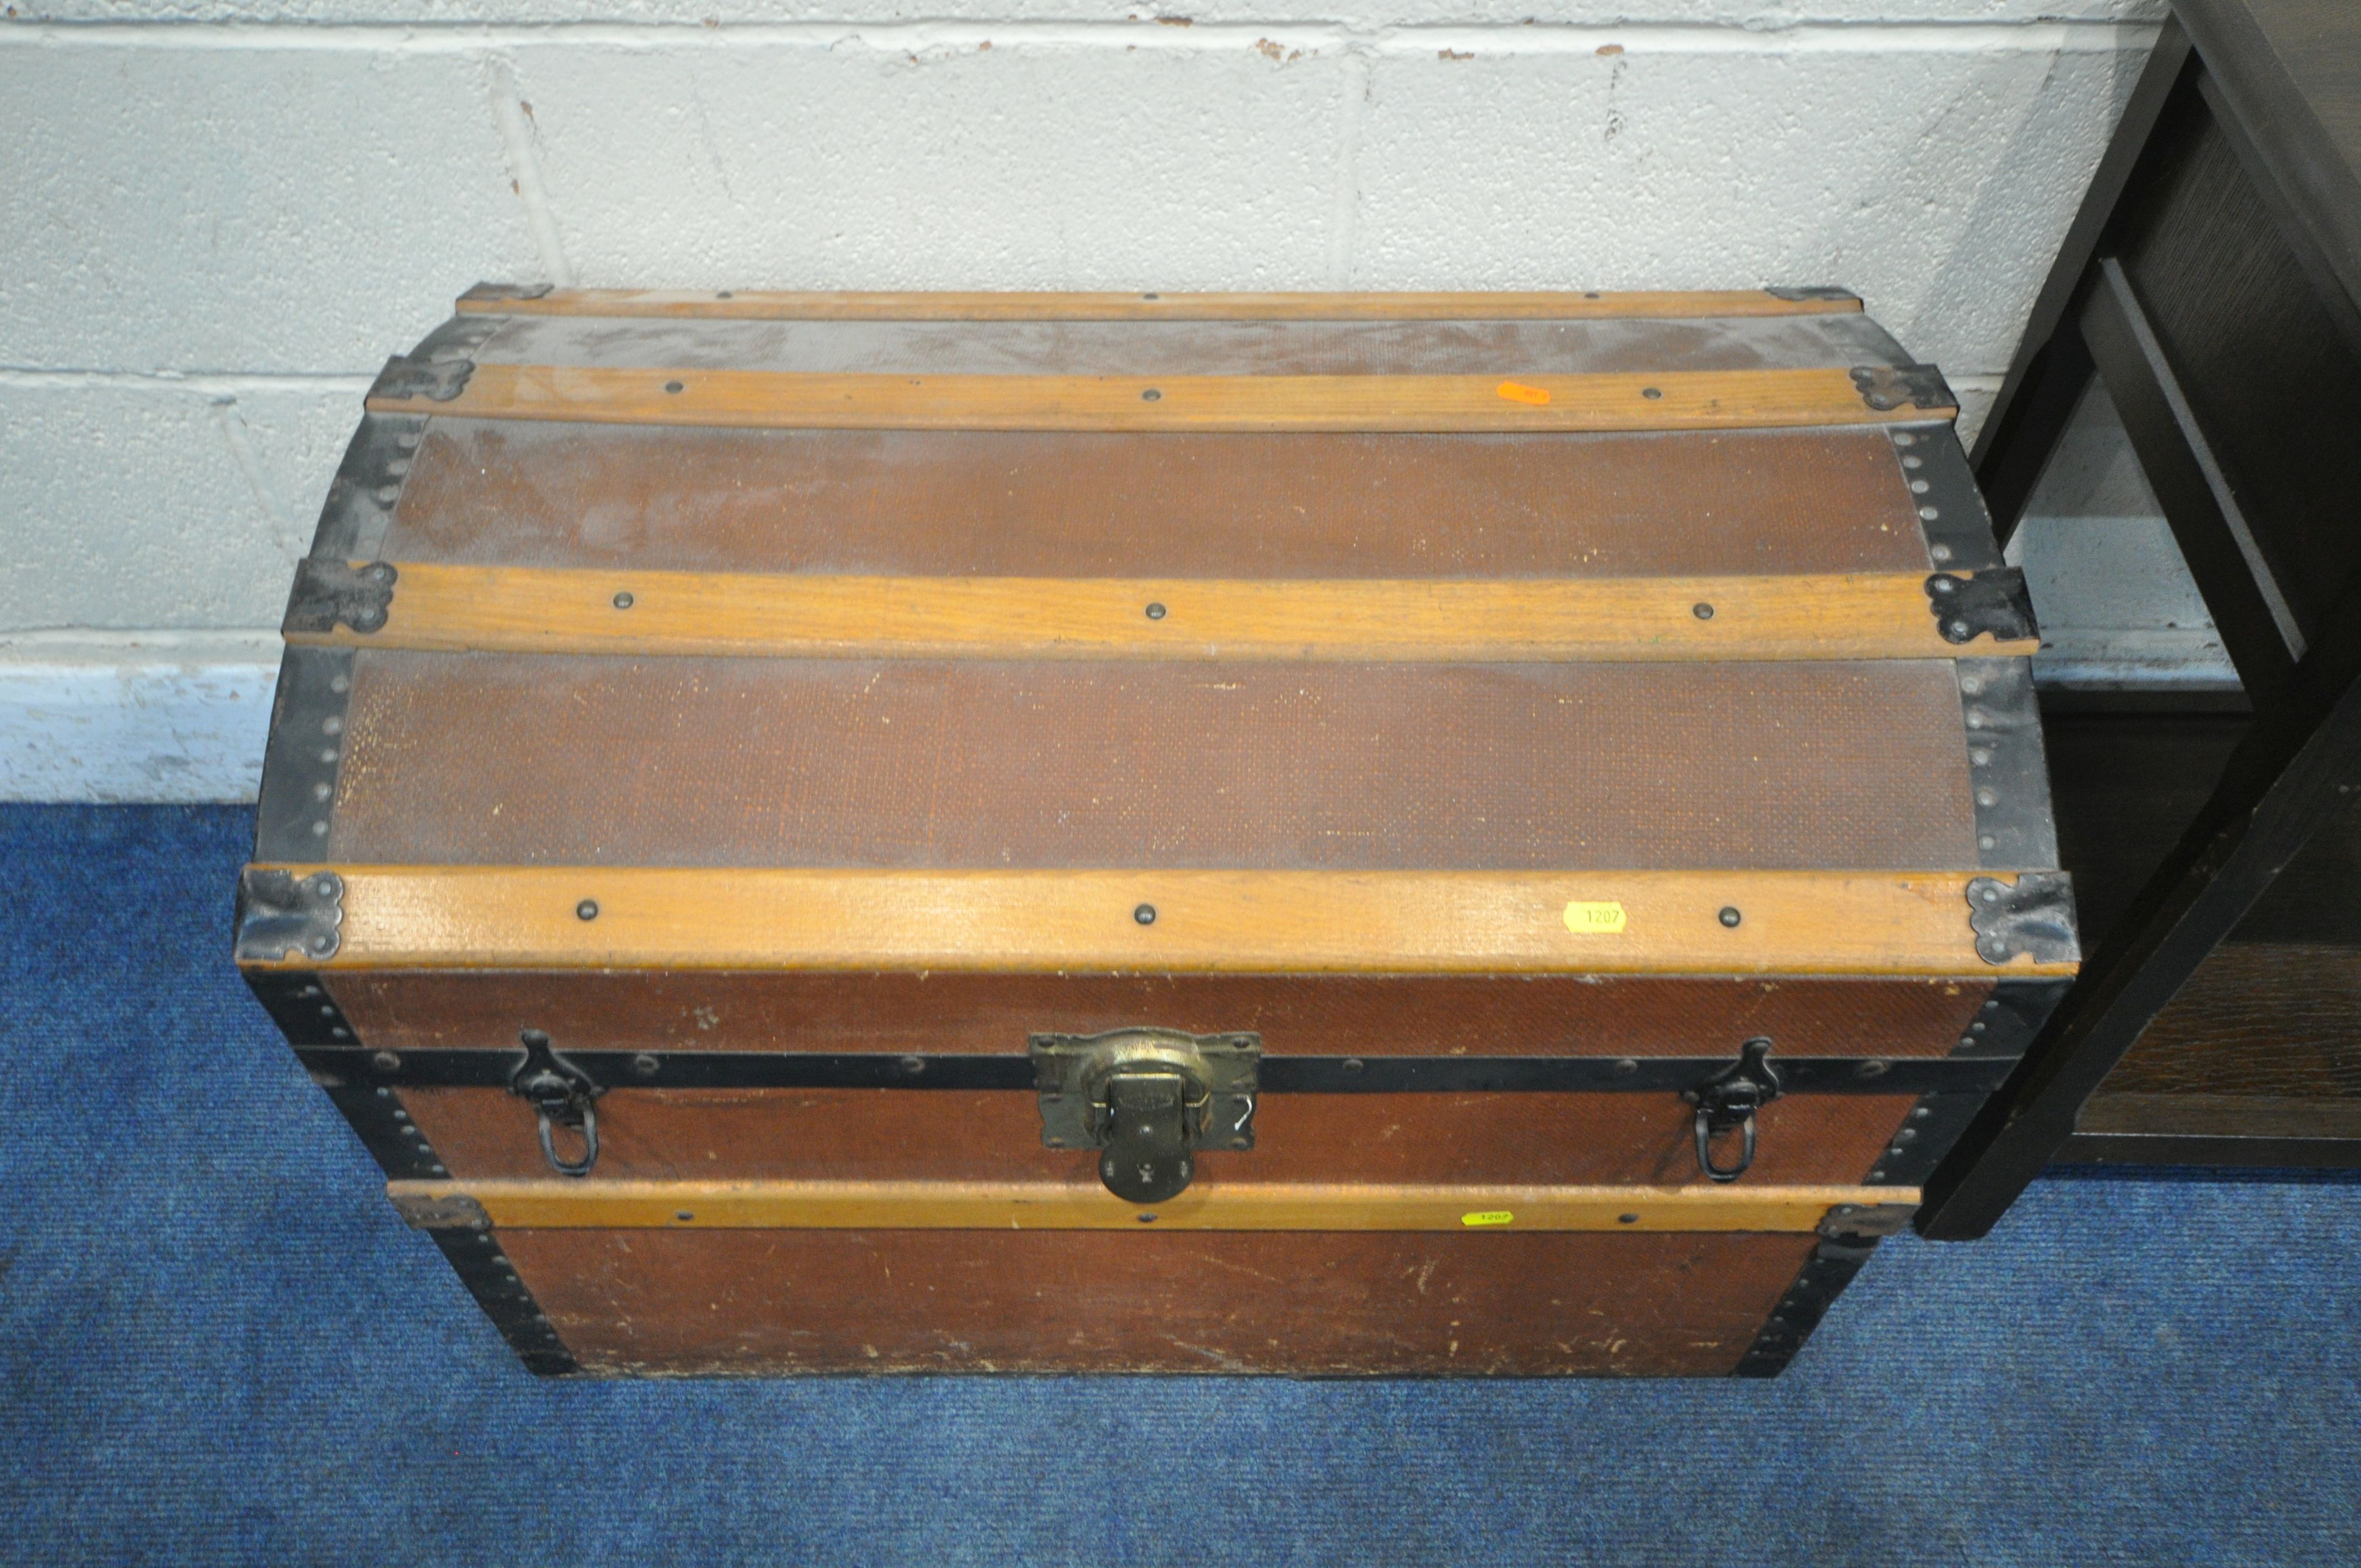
x=1834, y=1260
x=368, y=486
x=1951, y=512
x=401, y=1151
x=346, y=1063
x=304, y=753
x=544, y=298
x=2010, y=1017
x=2009, y=772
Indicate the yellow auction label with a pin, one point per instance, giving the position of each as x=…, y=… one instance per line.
x=1594, y=919
x=1486, y=1217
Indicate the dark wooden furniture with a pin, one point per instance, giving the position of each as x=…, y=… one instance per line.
x=2210, y=282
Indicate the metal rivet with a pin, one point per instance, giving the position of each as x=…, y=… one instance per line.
x=726, y=294
x=623, y=601
x=645, y=1064
x=1156, y=612
x=1979, y=757
x=1591, y=295
x=1702, y=611
x=1978, y=1027
x=587, y=910
x=1959, y=629
x=342, y=1034
x=332, y=725
x=1987, y=797
x=386, y=1061
x=672, y=385
x=323, y=790
x=1145, y=914
x=1986, y=841
x=1991, y=896
x=1903, y=438
x=1151, y=296
x=1920, y=1114
x=1905, y=1135
x=1940, y=551
x=1146, y=1218
x=1877, y=1176
x=325, y=884
x=684, y=1215
x=1054, y=1142
x=1354, y=1064
x=407, y=441
x=1627, y=1219
x=1913, y=462
x=1240, y=1143
x=1150, y=396
x=1873, y=1067
x=329, y=753
x=1919, y=487
x=388, y=494
x=1729, y=915
x=1627, y=1065
x=340, y=684
x=320, y=829
x=914, y=1065
x=1929, y=514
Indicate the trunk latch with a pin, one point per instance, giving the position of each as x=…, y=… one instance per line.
x=1726, y=1101
x=1146, y=1099
x=560, y=1095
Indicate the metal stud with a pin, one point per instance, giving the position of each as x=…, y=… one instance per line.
x=587, y=910
x=1145, y=914
x=1702, y=611
x=1729, y=915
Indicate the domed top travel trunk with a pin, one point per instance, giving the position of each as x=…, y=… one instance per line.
x=1312, y=834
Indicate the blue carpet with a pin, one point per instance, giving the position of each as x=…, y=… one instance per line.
x=220, y=1346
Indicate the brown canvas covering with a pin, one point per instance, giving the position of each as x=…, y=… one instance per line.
x=873, y=761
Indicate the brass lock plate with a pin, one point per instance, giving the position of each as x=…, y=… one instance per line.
x=1074, y=1074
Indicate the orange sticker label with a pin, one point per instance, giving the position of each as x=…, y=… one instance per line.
x=1518, y=392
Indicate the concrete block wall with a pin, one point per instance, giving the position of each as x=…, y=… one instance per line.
x=220, y=214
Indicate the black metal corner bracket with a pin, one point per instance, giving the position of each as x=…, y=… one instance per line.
x=2035, y=914
x=1726, y=1102
x=561, y=1094
x=1887, y=387
x=281, y=915
x=409, y=376
x=329, y=591
x=1995, y=601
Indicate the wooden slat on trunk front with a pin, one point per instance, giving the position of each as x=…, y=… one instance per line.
x=1654, y=620
x=1685, y=400
x=1204, y=922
